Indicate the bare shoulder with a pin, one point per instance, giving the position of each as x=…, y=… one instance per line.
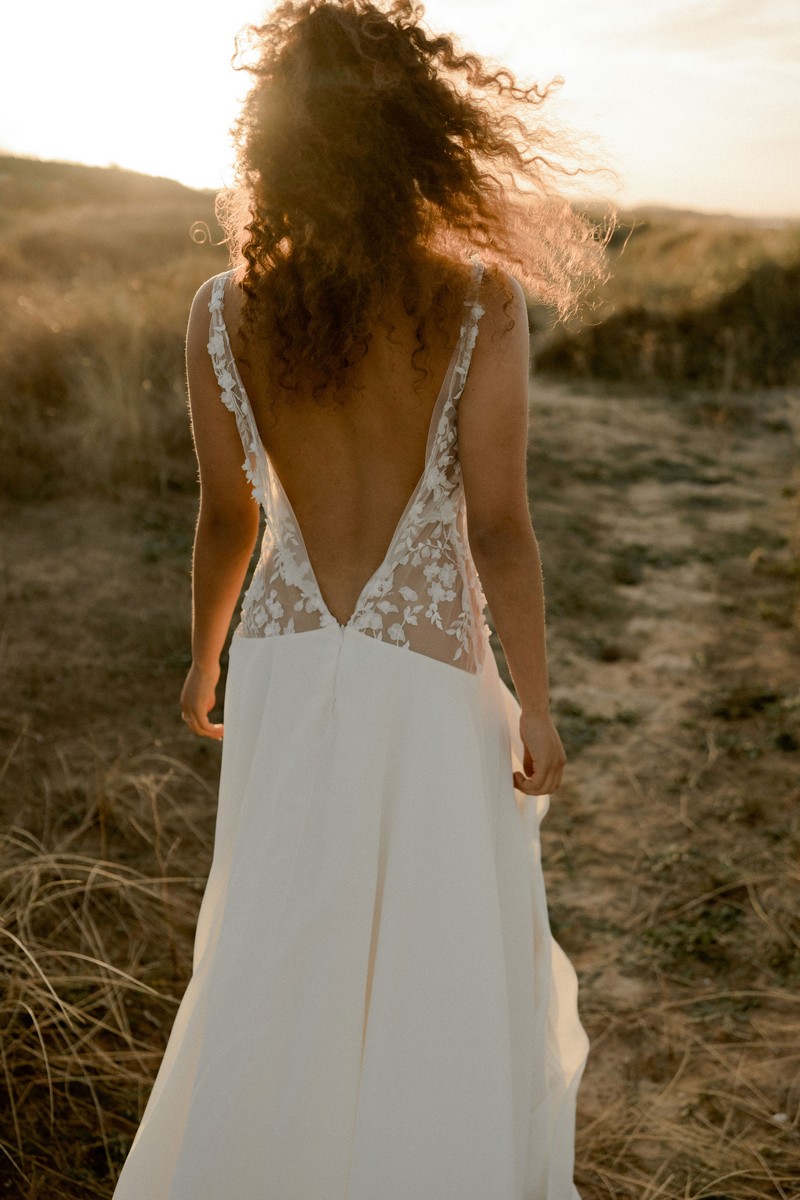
x=202, y=297
x=505, y=311
x=198, y=363
x=493, y=412
x=199, y=316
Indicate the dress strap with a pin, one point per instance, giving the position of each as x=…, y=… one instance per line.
x=469, y=327
x=233, y=394
x=219, y=346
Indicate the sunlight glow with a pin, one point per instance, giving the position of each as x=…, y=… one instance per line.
x=693, y=104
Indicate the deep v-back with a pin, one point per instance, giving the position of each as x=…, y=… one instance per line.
x=267, y=458
x=425, y=594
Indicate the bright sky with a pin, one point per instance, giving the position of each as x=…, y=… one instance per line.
x=694, y=102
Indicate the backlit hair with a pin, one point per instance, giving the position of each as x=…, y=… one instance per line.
x=369, y=147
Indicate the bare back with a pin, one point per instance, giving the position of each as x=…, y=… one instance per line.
x=348, y=469
x=399, y=546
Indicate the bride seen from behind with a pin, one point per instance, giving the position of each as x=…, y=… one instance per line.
x=377, y=1006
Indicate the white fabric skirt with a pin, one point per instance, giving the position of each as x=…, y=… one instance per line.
x=377, y=1009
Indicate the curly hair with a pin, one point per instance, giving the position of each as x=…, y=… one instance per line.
x=368, y=150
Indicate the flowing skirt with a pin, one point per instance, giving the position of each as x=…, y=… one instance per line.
x=377, y=1009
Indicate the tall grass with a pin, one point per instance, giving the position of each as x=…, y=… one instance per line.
x=745, y=339
x=693, y=302
x=94, y=387
x=97, y=273
x=94, y=955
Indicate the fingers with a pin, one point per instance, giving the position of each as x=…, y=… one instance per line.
x=543, y=758
x=535, y=783
x=198, y=698
x=530, y=787
x=198, y=723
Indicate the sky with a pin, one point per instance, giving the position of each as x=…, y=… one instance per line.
x=695, y=105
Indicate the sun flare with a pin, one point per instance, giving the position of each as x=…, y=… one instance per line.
x=659, y=90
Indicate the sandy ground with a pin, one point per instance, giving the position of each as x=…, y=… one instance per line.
x=670, y=541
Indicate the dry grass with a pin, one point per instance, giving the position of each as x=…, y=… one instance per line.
x=94, y=954
x=693, y=301
x=95, y=288
x=670, y=534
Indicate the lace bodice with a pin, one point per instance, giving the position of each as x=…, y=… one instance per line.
x=425, y=596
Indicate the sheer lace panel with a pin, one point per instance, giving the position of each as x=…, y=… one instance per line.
x=425, y=596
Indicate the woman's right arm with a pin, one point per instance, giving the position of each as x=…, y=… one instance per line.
x=493, y=441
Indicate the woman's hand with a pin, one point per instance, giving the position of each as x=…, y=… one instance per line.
x=544, y=756
x=197, y=700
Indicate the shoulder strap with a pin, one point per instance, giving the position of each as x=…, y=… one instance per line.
x=469, y=327
x=217, y=289
x=219, y=346
x=233, y=395
x=476, y=308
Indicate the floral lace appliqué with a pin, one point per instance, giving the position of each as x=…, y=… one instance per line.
x=426, y=595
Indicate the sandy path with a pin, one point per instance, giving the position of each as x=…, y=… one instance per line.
x=669, y=535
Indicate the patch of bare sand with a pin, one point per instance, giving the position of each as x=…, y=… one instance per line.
x=658, y=863
x=94, y=647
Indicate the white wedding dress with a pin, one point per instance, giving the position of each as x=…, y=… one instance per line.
x=377, y=1009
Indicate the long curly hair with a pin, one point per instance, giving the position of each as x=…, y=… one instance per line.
x=373, y=156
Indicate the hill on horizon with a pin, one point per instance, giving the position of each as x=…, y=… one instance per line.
x=98, y=266
x=34, y=184
x=37, y=183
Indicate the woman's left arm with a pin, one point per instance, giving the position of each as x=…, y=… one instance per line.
x=227, y=523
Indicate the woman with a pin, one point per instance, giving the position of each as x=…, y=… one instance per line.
x=377, y=1009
